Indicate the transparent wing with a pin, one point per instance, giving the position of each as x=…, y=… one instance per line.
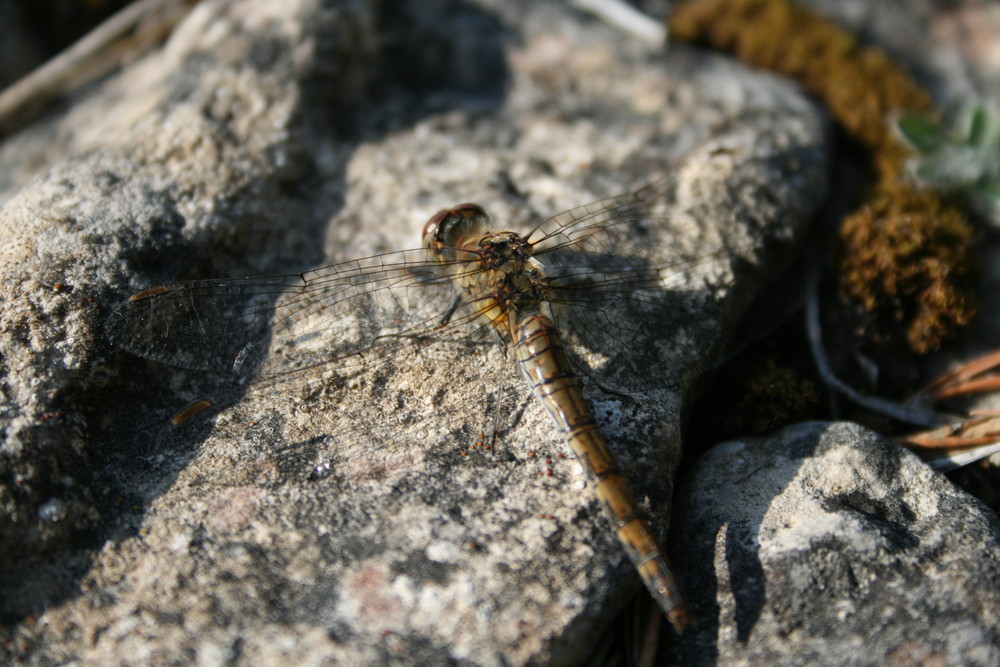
x=602, y=227
x=616, y=271
x=624, y=287
x=350, y=314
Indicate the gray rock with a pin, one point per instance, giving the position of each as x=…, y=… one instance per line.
x=194, y=146
x=354, y=518
x=828, y=544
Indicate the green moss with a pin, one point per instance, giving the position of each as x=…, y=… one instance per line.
x=756, y=393
x=776, y=395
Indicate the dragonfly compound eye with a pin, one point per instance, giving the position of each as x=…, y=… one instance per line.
x=444, y=227
x=429, y=235
x=469, y=210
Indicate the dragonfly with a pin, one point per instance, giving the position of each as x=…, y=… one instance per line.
x=575, y=296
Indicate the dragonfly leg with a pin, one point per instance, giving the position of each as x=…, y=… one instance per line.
x=446, y=315
x=501, y=343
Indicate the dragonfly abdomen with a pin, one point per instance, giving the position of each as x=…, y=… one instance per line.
x=544, y=364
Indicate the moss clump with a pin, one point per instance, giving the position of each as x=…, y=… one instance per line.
x=859, y=85
x=759, y=391
x=903, y=273
x=905, y=254
x=776, y=395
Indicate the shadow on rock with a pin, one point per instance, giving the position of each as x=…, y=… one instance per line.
x=219, y=187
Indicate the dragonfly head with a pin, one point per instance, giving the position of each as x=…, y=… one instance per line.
x=461, y=226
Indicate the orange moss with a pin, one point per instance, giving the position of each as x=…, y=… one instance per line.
x=861, y=86
x=905, y=253
x=904, y=271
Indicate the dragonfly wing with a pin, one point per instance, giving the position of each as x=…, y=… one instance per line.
x=624, y=287
x=201, y=324
x=346, y=314
x=637, y=339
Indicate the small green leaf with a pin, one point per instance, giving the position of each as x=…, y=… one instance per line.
x=965, y=160
x=920, y=132
x=983, y=127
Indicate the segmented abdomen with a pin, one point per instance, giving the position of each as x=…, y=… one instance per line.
x=543, y=362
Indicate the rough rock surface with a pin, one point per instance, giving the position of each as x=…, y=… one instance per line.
x=826, y=543
x=339, y=520
x=358, y=519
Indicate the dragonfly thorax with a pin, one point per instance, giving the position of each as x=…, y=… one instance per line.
x=506, y=251
x=523, y=290
x=509, y=278
x=496, y=270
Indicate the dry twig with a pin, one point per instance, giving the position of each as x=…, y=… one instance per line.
x=975, y=438
x=626, y=18
x=910, y=414
x=135, y=28
x=964, y=381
